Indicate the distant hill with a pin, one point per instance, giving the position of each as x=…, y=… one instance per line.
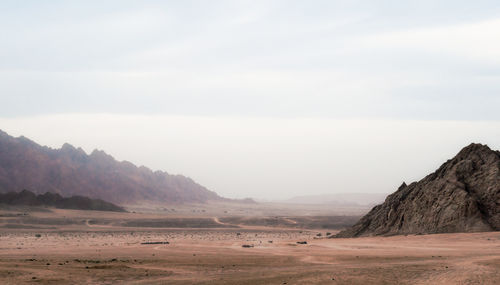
x=70, y=171
x=463, y=195
x=340, y=199
x=28, y=198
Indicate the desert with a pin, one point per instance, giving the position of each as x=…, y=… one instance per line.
x=76, y=249
x=442, y=229
x=250, y=142
x=92, y=247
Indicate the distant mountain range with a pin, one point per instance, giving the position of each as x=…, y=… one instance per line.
x=339, y=199
x=69, y=171
x=463, y=195
x=28, y=198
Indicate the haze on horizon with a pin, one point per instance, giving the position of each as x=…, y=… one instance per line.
x=266, y=99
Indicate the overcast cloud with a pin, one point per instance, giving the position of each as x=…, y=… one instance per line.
x=289, y=94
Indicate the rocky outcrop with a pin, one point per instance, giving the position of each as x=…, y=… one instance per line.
x=463, y=195
x=28, y=198
x=70, y=171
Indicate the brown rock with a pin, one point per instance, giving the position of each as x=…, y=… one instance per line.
x=463, y=195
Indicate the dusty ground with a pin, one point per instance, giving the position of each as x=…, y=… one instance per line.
x=66, y=247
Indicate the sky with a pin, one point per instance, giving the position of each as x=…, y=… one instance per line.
x=264, y=99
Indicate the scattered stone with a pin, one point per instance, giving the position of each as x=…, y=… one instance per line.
x=155, y=242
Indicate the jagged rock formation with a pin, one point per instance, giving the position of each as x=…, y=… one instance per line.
x=70, y=171
x=28, y=198
x=463, y=195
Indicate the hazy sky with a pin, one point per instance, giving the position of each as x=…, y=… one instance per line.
x=257, y=98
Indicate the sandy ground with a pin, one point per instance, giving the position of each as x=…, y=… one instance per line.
x=86, y=253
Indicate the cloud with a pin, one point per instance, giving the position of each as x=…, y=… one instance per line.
x=269, y=58
x=470, y=41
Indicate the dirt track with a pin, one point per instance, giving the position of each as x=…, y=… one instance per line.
x=105, y=254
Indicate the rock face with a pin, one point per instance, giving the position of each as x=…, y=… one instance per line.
x=70, y=171
x=463, y=195
x=28, y=198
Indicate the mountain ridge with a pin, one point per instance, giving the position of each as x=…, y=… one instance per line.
x=338, y=199
x=24, y=164
x=28, y=198
x=462, y=195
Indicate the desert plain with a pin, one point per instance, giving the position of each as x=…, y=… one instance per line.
x=220, y=246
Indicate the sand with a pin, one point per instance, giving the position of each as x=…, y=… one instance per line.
x=85, y=253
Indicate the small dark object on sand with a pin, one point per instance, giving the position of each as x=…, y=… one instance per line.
x=247, y=245
x=302, y=242
x=155, y=242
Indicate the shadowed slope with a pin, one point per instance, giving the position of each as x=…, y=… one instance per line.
x=28, y=198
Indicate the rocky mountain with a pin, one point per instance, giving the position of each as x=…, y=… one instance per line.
x=70, y=171
x=28, y=198
x=463, y=195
